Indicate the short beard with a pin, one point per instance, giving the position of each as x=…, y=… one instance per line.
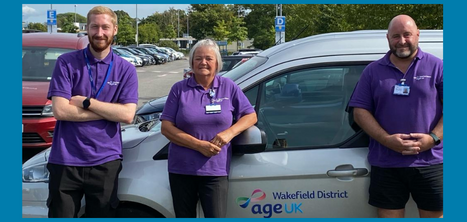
x=99, y=48
x=405, y=54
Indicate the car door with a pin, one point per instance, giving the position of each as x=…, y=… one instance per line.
x=311, y=167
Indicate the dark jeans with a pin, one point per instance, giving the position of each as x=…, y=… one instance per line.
x=68, y=184
x=211, y=191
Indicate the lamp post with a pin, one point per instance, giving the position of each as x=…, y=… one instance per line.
x=136, y=37
x=75, y=13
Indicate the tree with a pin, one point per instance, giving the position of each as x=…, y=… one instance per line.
x=126, y=28
x=37, y=26
x=238, y=31
x=148, y=33
x=169, y=44
x=63, y=18
x=204, y=18
x=69, y=27
x=220, y=31
x=169, y=32
x=260, y=24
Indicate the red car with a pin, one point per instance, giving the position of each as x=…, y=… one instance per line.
x=40, y=53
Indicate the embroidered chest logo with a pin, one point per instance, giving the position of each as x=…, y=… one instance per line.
x=218, y=100
x=421, y=77
x=113, y=83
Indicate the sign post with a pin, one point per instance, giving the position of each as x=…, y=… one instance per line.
x=280, y=29
x=52, y=20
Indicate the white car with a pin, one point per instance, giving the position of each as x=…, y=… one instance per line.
x=314, y=163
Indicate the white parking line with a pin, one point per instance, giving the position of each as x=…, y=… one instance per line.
x=161, y=75
x=174, y=72
x=155, y=71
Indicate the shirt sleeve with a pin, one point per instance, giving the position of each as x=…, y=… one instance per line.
x=171, y=105
x=439, y=82
x=129, y=93
x=362, y=96
x=60, y=83
x=240, y=102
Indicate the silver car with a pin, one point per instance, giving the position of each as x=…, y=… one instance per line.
x=313, y=165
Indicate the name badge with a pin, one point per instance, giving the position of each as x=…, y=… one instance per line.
x=402, y=90
x=213, y=108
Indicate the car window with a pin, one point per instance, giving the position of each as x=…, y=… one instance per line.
x=306, y=108
x=39, y=62
x=249, y=65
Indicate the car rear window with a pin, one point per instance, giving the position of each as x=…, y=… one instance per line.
x=39, y=62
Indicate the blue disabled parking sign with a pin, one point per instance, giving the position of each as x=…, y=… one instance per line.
x=280, y=23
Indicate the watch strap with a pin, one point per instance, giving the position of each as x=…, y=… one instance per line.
x=435, y=138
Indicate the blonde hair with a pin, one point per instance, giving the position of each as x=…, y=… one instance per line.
x=213, y=46
x=103, y=10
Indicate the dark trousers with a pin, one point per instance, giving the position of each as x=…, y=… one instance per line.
x=211, y=191
x=98, y=184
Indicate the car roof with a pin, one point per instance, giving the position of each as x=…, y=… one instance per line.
x=343, y=43
x=238, y=56
x=55, y=40
x=358, y=46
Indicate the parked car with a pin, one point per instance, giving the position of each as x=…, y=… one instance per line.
x=139, y=61
x=252, y=52
x=314, y=164
x=131, y=59
x=39, y=55
x=228, y=62
x=143, y=56
x=150, y=110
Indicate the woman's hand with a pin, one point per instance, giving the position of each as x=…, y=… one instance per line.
x=209, y=149
x=222, y=138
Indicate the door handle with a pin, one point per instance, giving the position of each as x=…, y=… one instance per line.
x=283, y=134
x=347, y=170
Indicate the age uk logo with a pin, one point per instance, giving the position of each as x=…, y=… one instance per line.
x=244, y=201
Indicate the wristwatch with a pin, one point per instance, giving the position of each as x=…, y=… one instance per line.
x=435, y=138
x=86, y=103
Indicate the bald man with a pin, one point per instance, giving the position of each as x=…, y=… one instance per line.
x=398, y=102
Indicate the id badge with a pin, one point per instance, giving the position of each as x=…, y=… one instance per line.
x=213, y=108
x=402, y=90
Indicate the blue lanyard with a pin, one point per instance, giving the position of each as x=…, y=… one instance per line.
x=93, y=87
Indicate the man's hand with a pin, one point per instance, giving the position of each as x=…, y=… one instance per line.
x=403, y=143
x=425, y=140
x=77, y=101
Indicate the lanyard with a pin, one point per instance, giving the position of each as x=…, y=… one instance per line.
x=93, y=87
x=212, y=94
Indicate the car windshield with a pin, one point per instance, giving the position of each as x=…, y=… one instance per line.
x=249, y=65
x=39, y=62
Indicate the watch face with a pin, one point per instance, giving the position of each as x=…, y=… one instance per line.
x=86, y=103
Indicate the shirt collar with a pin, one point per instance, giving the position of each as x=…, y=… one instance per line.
x=192, y=82
x=93, y=60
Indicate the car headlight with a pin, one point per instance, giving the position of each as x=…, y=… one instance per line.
x=36, y=174
x=47, y=110
x=35, y=169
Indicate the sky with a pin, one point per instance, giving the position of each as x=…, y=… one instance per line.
x=38, y=12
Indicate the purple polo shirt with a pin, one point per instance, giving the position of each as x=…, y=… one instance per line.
x=419, y=112
x=185, y=107
x=93, y=142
